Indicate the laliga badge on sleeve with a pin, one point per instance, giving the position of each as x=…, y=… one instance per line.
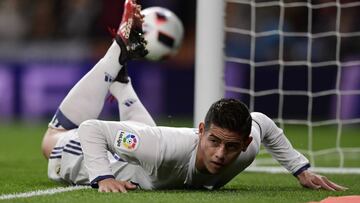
x=126, y=141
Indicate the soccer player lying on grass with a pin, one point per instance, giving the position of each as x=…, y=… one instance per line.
x=116, y=156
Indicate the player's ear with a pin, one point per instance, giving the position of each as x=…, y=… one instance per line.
x=201, y=129
x=247, y=142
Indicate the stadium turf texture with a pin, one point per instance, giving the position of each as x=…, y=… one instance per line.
x=23, y=169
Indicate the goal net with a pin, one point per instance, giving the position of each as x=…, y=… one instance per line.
x=299, y=63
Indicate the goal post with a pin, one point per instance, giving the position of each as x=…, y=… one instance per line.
x=209, y=62
x=297, y=61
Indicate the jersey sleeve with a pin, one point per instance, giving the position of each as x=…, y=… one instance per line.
x=276, y=143
x=94, y=146
x=127, y=140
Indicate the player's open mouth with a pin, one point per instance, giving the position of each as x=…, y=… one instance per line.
x=217, y=164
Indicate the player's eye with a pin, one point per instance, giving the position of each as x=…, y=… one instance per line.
x=233, y=147
x=214, y=142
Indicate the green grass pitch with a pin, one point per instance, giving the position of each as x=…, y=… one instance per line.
x=23, y=169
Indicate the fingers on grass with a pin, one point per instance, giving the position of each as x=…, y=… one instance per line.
x=334, y=185
x=130, y=186
x=312, y=185
x=103, y=190
x=122, y=189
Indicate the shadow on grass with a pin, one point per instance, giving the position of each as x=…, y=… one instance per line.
x=227, y=190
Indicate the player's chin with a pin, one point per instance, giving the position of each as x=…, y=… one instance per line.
x=215, y=168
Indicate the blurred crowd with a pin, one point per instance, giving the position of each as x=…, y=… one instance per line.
x=47, y=29
x=47, y=45
x=68, y=19
x=23, y=21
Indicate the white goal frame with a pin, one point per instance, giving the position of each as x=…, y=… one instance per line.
x=209, y=62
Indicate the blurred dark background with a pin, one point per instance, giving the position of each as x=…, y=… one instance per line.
x=47, y=45
x=300, y=57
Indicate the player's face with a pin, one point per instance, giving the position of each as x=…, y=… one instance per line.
x=218, y=148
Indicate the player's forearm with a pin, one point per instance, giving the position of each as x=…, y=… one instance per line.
x=95, y=150
x=281, y=149
x=278, y=145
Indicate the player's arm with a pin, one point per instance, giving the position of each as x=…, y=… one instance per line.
x=276, y=143
x=96, y=143
x=280, y=148
x=133, y=142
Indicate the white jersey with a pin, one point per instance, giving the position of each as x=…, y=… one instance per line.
x=161, y=157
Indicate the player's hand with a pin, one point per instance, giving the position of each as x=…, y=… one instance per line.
x=112, y=185
x=312, y=180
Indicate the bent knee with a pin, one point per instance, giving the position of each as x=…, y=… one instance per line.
x=49, y=141
x=89, y=126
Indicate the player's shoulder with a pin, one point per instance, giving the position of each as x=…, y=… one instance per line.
x=175, y=136
x=134, y=124
x=261, y=119
x=258, y=116
x=178, y=144
x=179, y=134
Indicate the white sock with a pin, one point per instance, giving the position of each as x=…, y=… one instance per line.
x=86, y=99
x=130, y=107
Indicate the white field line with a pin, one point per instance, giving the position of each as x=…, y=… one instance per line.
x=270, y=169
x=42, y=192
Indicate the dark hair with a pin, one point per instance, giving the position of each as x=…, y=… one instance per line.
x=230, y=114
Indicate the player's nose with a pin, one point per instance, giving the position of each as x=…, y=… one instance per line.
x=220, y=153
